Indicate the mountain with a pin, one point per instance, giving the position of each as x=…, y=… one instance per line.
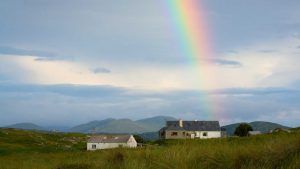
x=152, y=124
x=90, y=126
x=262, y=126
x=155, y=123
x=25, y=126
x=150, y=136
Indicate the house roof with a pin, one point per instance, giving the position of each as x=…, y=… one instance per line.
x=194, y=125
x=109, y=139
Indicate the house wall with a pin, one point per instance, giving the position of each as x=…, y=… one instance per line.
x=170, y=134
x=210, y=134
x=191, y=134
x=131, y=142
x=105, y=145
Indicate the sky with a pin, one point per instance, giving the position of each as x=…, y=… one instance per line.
x=69, y=62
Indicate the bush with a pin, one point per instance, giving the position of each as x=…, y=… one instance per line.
x=139, y=139
x=242, y=130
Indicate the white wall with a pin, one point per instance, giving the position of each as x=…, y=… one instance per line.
x=131, y=143
x=105, y=145
x=210, y=134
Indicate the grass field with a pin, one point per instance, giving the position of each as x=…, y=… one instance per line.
x=36, y=150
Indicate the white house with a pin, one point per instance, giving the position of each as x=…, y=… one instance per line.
x=110, y=141
x=190, y=129
x=253, y=133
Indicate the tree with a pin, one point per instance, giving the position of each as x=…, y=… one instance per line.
x=139, y=139
x=242, y=130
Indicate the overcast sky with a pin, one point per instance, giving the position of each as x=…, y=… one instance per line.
x=73, y=61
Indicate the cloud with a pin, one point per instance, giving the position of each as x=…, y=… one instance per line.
x=267, y=51
x=52, y=104
x=100, y=70
x=223, y=62
x=64, y=89
x=5, y=50
x=38, y=54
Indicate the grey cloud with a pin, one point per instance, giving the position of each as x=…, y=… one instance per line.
x=46, y=59
x=267, y=51
x=24, y=52
x=40, y=55
x=100, y=70
x=232, y=51
x=84, y=103
x=227, y=62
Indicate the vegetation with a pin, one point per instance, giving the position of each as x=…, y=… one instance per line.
x=242, y=130
x=263, y=126
x=29, y=150
x=139, y=139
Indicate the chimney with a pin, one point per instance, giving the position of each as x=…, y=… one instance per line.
x=180, y=123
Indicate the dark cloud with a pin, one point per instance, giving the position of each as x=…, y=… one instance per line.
x=24, y=52
x=100, y=70
x=267, y=51
x=227, y=62
x=232, y=51
x=40, y=55
x=47, y=59
x=52, y=104
x=64, y=89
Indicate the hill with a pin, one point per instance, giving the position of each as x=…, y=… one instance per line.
x=155, y=123
x=25, y=126
x=34, y=149
x=25, y=141
x=152, y=124
x=262, y=126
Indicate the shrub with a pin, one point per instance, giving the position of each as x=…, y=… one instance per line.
x=242, y=130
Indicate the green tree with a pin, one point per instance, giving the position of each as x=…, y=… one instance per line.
x=139, y=139
x=242, y=130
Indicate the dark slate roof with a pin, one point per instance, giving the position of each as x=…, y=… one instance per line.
x=194, y=125
x=109, y=139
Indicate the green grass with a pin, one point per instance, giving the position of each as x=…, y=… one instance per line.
x=23, y=141
x=271, y=151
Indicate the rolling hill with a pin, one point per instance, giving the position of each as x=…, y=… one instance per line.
x=147, y=127
x=152, y=124
x=25, y=126
x=262, y=126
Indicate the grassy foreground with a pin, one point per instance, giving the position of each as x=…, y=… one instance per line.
x=34, y=150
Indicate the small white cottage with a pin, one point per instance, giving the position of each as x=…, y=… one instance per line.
x=253, y=133
x=110, y=141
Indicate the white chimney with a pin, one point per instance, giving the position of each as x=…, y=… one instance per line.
x=180, y=123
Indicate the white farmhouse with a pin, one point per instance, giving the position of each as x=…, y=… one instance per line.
x=253, y=133
x=190, y=129
x=110, y=141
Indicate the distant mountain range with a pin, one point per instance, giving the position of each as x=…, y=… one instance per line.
x=147, y=127
x=262, y=126
x=123, y=125
x=25, y=126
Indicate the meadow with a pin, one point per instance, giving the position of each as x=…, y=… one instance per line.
x=37, y=150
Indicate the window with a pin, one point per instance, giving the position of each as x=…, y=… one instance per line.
x=183, y=133
x=93, y=146
x=205, y=134
x=174, y=134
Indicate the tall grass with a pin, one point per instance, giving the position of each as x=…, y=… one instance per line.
x=272, y=151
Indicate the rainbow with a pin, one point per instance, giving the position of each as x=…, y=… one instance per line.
x=190, y=25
